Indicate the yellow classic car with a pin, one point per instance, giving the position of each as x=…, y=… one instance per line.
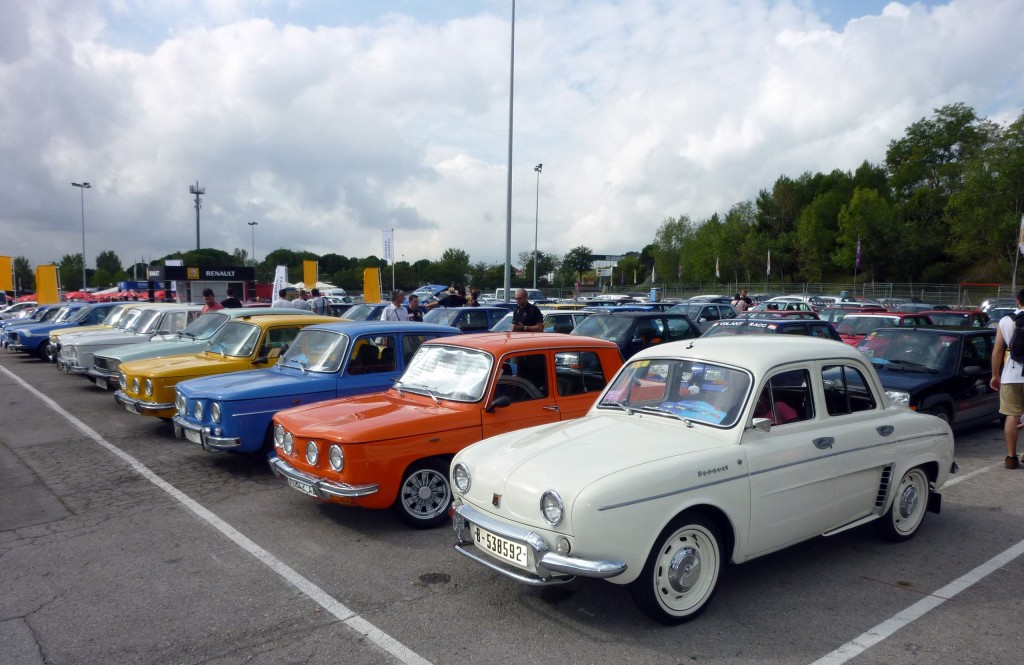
x=251, y=342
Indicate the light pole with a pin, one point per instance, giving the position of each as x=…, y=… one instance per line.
x=198, y=191
x=82, y=186
x=508, y=194
x=253, y=225
x=536, y=225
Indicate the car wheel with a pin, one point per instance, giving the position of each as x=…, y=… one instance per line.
x=909, y=506
x=682, y=570
x=939, y=412
x=44, y=350
x=425, y=495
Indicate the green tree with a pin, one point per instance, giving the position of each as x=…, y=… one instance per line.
x=577, y=261
x=108, y=260
x=70, y=270
x=453, y=266
x=866, y=220
x=24, y=276
x=670, y=241
x=101, y=279
x=545, y=265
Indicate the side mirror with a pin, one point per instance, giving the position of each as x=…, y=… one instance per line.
x=762, y=424
x=973, y=371
x=499, y=402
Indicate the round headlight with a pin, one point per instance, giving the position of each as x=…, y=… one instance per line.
x=122, y=381
x=135, y=385
x=337, y=457
x=179, y=403
x=551, y=507
x=197, y=412
x=278, y=434
x=215, y=412
x=312, y=453
x=149, y=387
x=461, y=478
x=287, y=445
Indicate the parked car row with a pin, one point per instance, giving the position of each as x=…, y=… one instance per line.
x=636, y=449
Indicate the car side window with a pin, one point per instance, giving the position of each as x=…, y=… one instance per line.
x=681, y=329
x=846, y=390
x=978, y=350
x=411, y=344
x=523, y=378
x=280, y=338
x=819, y=330
x=578, y=372
x=786, y=398
x=793, y=330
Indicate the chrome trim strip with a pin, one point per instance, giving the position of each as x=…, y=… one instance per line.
x=323, y=488
x=142, y=407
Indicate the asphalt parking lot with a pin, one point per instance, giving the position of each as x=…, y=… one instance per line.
x=122, y=544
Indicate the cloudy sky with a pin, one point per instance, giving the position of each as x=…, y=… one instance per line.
x=328, y=121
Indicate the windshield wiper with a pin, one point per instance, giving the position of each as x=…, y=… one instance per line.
x=398, y=387
x=622, y=405
x=908, y=364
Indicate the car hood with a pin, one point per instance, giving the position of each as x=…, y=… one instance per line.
x=110, y=339
x=909, y=380
x=197, y=364
x=259, y=383
x=571, y=456
x=171, y=347
x=378, y=416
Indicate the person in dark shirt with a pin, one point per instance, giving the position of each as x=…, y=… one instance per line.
x=526, y=317
x=231, y=301
x=456, y=298
x=415, y=312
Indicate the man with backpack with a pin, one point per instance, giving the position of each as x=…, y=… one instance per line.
x=1008, y=376
x=319, y=303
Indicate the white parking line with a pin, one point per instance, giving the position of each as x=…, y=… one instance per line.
x=355, y=622
x=865, y=641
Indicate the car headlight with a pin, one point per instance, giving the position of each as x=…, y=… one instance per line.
x=149, y=387
x=278, y=434
x=551, y=507
x=312, y=453
x=288, y=444
x=337, y=457
x=215, y=412
x=179, y=403
x=122, y=381
x=898, y=397
x=461, y=478
x=135, y=385
x=197, y=410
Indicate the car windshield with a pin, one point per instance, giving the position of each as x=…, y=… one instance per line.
x=79, y=314
x=236, y=338
x=205, y=325
x=503, y=325
x=360, y=312
x=862, y=325
x=116, y=314
x=64, y=314
x=679, y=388
x=316, y=351
x=442, y=316
x=145, y=322
x=612, y=328
x=448, y=372
x=129, y=319
x=912, y=349
x=943, y=319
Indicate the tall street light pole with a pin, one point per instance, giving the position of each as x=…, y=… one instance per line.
x=508, y=199
x=82, y=186
x=197, y=190
x=536, y=225
x=253, y=225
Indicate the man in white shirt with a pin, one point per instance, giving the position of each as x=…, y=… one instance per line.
x=396, y=311
x=1008, y=379
x=302, y=302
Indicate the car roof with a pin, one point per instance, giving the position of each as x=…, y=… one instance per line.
x=504, y=342
x=265, y=319
x=633, y=314
x=354, y=328
x=945, y=330
x=761, y=354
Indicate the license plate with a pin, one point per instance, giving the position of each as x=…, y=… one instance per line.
x=504, y=549
x=130, y=406
x=193, y=436
x=305, y=488
x=101, y=383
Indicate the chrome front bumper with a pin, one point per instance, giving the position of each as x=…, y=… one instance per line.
x=548, y=567
x=71, y=366
x=202, y=437
x=321, y=489
x=139, y=406
x=103, y=378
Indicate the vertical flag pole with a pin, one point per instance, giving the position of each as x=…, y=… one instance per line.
x=1016, y=255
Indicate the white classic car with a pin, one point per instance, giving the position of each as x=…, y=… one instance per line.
x=700, y=453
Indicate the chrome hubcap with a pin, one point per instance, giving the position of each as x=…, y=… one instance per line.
x=908, y=501
x=684, y=569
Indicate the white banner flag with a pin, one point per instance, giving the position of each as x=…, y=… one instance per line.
x=389, y=242
x=1020, y=236
x=280, y=279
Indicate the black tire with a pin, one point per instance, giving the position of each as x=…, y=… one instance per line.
x=44, y=350
x=682, y=570
x=941, y=413
x=908, y=509
x=424, y=495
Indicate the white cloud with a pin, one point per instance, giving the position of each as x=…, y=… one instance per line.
x=327, y=131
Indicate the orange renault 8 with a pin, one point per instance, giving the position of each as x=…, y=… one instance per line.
x=393, y=449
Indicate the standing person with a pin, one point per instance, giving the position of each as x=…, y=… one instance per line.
x=748, y=303
x=474, y=298
x=396, y=311
x=231, y=302
x=738, y=304
x=211, y=304
x=1008, y=379
x=456, y=298
x=319, y=304
x=415, y=313
x=526, y=317
x=281, y=300
x=302, y=302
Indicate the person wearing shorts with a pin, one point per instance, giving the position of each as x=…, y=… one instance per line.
x=1008, y=379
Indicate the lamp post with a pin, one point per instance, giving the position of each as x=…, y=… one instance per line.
x=508, y=194
x=253, y=225
x=198, y=191
x=536, y=225
x=82, y=186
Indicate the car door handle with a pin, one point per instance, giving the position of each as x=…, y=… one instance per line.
x=824, y=442
x=885, y=430
x=551, y=408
